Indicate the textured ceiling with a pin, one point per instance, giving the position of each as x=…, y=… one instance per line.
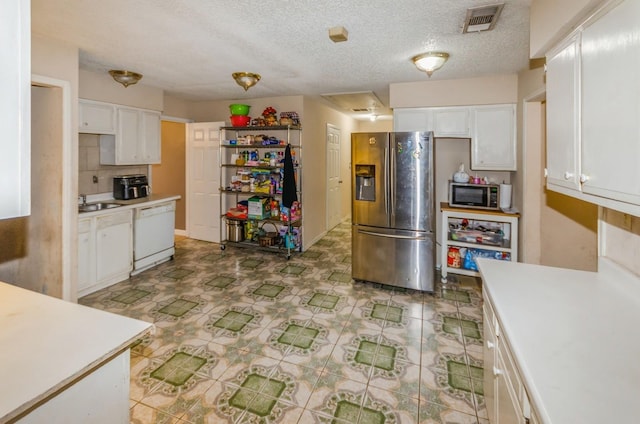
x=189, y=48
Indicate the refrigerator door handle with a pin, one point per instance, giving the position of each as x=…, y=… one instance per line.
x=371, y=233
x=392, y=182
x=386, y=182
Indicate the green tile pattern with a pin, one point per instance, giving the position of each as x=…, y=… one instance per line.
x=178, y=307
x=341, y=277
x=268, y=290
x=467, y=328
x=220, y=281
x=178, y=274
x=456, y=295
x=387, y=313
x=298, y=336
x=178, y=369
x=257, y=394
x=324, y=301
x=233, y=321
x=377, y=355
x=352, y=413
x=347, y=351
x=131, y=296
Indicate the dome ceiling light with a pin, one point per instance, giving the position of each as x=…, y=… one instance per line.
x=246, y=79
x=125, y=78
x=430, y=62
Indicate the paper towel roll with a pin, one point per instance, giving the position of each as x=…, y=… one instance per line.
x=505, y=196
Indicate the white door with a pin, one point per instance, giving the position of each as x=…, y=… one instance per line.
x=333, y=177
x=203, y=181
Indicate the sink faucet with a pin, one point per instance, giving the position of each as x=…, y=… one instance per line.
x=83, y=199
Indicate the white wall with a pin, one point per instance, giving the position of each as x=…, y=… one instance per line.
x=494, y=89
x=101, y=87
x=551, y=20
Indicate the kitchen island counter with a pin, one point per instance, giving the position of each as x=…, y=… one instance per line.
x=50, y=346
x=572, y=336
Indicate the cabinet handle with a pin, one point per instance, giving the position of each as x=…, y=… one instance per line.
x=490, y=345
x=584, y=178
x=568, y=175
x=497, y=372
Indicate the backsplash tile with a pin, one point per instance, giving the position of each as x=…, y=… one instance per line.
x=89, y=167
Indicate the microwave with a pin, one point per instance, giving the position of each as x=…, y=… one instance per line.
x=474, y=196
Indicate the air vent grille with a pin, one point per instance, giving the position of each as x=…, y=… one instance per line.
x=482, y=18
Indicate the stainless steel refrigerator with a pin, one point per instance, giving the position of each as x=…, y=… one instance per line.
x=393, y=209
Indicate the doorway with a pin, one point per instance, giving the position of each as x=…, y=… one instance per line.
x=334, y=206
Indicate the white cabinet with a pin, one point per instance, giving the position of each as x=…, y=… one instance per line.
x=611, y=105
x=96, y=117
x=563, y=114
x=86, y=254
x=15, y=109
x=114, y=248
x=451, y=122
x=105, y=250
x=492, y=130
x=137, y=139
x=593, y=110
x=493, y=138
x=504, y=393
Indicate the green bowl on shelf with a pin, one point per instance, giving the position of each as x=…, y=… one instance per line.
x=238, y=109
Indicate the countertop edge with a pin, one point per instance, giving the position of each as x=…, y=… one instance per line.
x=151, y=200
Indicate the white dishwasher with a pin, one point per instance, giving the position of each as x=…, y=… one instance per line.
x=153, y=235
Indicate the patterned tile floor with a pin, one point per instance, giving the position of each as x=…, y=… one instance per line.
x=246, y=336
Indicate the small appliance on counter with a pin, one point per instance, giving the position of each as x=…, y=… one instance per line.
x=474, y=196
x=127, y=187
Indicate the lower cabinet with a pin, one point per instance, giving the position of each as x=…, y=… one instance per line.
x=105, y=250
x=505, y=396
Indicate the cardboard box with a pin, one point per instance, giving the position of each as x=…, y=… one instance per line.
x=259, y=207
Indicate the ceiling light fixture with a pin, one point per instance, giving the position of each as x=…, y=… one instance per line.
x=246, y=79
x=430, y=62
x=125, y=78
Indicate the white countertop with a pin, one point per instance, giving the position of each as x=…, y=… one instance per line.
x=574, y=335
x=46, y=343
x=151, y=200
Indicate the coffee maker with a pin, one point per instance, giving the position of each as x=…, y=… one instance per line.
x=127, y=187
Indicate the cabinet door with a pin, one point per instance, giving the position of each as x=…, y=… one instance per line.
x=150, y=136
x=128, y=137
x=493, y=139
x=611, y=105
x=97, y=118
x=489, y=356
x=114, y=253
x=86, y=255
x=507, y=410
x=15, y=109
x=451, y=122
x=563, y=115
x=412, y=119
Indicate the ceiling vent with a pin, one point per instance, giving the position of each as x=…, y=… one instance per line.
x=482, y=18
x=362, y=101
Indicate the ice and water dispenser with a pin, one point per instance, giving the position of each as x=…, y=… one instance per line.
x=366, y=183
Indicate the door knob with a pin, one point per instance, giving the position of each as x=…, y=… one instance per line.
x=568, y=175
x=584, y=178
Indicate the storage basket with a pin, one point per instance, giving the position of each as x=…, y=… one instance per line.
x=269, y=238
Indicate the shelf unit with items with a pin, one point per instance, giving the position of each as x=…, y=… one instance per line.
x=252, y=181
x=470, y=233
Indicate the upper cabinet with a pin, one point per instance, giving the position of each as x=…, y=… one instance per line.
x=563, y=114
x=97, y=117
x=128, y=136
x=491, y=128
x=593, y=110
x=15, y=109
x=611, y=104
x=493, y=138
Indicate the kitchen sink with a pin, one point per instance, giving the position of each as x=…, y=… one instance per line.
x=91, y=207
